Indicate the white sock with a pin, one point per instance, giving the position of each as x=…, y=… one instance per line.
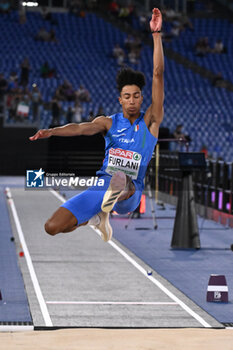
x=95, y=220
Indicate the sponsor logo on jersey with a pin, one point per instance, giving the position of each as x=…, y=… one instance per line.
x=124, y=160
x=121, y=130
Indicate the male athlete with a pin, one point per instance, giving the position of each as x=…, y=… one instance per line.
x=130, y=138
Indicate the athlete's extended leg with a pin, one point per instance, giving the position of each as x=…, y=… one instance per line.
x=80, y=210
x=64, y=221
x=86, y=208
x=121, y=188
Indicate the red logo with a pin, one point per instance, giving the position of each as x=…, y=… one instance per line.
x=121, y=153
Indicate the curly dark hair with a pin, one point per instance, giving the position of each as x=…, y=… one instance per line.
x=128, y=76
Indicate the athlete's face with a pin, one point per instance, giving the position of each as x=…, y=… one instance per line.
x=131, y=100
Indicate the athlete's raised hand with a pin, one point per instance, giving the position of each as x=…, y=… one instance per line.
x=156, y=20
x=41, y=134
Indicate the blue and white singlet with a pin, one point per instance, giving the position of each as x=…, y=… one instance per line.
x=128, y=148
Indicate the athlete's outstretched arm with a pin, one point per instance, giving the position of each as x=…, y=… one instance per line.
x=100, y=124
x=154, y=114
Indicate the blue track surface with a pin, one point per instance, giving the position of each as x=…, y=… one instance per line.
x=188, y=270
x=14, y=305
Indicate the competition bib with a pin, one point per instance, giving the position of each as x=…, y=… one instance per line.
x=123, y=160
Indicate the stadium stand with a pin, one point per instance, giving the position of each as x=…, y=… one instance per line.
x=82, y=54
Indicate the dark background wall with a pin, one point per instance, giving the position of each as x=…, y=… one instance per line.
x=80, y=155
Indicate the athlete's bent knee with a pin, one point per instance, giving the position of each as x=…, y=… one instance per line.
x=51, y=228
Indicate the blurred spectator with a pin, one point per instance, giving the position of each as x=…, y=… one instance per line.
x=42, y=35
x=82, y=94
x=36, y=99
x=23, y=106
x=26, y=93
x=133, y=56
x=13, y=76
x=77, y=112
x=114, y=8
x=65, y=92
x=69, y=115
x=11, y=105
x=47, y=16
x=52, y=36
x=91, y=116
x=100, y=111
x=174, y=32
x=56, y=111
x=137, y=44
x=126, y=13
x=185, y=22
x=170, y=14
x=18, y=104
x=13, y=84
x=3, y=85
x=128, y=42
x=219, y=47
x=46, y=71
x=202, y=47
x=24, y=76
x=133, y=43
x=204, y=150
x=218, y=80
x=119, y=54
x=180, y=22
x=178, y=133
x=144, y=23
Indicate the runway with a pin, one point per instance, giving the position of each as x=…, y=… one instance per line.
x=77, y=280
